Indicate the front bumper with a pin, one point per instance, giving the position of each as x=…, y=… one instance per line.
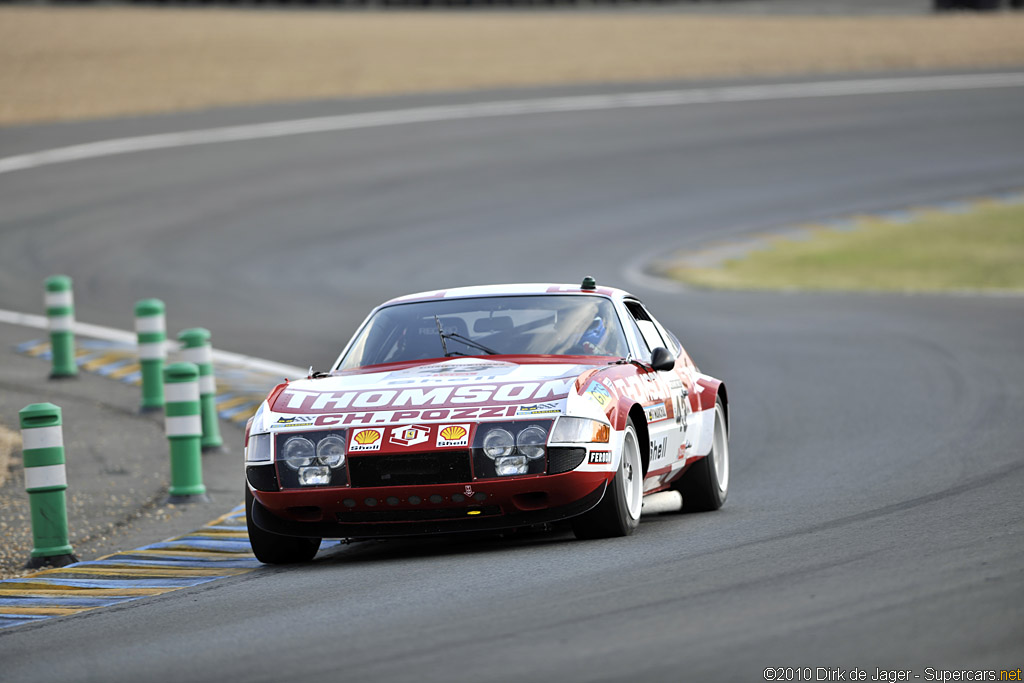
x=428, y=509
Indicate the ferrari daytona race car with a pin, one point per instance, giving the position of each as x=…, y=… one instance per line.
x=486, y=408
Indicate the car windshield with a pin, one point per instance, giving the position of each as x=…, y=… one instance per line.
x=531, y=325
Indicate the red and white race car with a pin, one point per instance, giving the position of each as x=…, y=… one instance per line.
x=486, y=408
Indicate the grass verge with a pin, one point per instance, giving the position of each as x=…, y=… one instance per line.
x=979, y=250
x=85, y=62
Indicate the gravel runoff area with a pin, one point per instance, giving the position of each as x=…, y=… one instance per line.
x=59, y=63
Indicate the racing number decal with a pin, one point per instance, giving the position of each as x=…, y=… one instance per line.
x=680, y=408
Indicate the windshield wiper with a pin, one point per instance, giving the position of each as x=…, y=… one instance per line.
x=462, y=340
x=440, y=331
x=469, y=342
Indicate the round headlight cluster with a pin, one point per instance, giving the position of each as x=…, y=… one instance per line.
x=298, y=451
x=499, y=443
x=513, y=454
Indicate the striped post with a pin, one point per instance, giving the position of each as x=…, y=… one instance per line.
x=151, y=328
x=45, y=480
x=60, y=313
x=184, y=431
x=196, y=349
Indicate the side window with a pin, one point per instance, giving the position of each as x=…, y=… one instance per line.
x=672, y=344
x=647, y=327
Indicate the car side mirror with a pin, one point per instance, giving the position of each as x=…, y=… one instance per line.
x=662, y=359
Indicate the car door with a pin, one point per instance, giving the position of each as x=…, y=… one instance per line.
x=667, y=408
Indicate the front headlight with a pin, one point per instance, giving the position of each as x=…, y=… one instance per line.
x=531, y=442
x=298, y=452
x=258, y=449
x=498, y=443
x=331, y=451
x=580, y=430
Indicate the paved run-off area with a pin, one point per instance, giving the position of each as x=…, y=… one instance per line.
x=60, y=63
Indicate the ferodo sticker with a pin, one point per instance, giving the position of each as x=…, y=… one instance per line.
x=365, y=440
x=410, y=435
x=453, y=436
x=600, y=457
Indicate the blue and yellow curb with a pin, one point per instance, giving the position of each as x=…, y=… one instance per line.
x=217, y=550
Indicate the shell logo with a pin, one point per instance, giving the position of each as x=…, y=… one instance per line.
x=453, y=433
x=367, y=436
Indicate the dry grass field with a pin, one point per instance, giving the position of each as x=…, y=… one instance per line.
x=71, y=63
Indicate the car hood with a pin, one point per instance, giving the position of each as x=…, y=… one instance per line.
x=441, y=391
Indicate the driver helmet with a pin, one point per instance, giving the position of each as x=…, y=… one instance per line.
x=594, y=335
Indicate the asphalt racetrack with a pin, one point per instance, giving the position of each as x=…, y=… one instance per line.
x=875, y=517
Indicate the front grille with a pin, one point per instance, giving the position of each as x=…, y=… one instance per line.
x=351, y=516
x=434, y=467
x=565, y=459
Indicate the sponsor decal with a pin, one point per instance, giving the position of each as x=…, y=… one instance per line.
x=599, y=393
x=409, y=435
x=659, y=449
x=600, y=457
x=388, y=417
x=651, y=388
x=297, y=421
x=539, y=409
x=450, y=436
x=656, y=412
x=299, y=401
x=365, y=440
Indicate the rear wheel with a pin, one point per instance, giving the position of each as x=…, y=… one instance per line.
x=618, y=513
x=271, y=548
x=705, y=485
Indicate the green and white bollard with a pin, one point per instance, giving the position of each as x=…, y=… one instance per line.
x=60, y=313
x=45, y=480
x=196, y=349
x=184, y=431
x=151, y=329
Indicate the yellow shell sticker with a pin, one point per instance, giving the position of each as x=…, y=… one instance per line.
x=451, y=436
x=365, y=440
x=453, y=433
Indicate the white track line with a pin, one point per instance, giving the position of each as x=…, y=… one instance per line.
x=663, y=98
x=124, y=337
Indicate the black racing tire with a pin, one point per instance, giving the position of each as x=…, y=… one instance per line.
x=271, y=548
x=618, y=513
x=705, y=485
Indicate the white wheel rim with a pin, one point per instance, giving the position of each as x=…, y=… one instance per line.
x=631, y=475
x=721, y=450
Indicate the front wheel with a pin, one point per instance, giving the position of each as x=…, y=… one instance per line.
x=270, y=548
x=705, y=485
x=618, y=513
